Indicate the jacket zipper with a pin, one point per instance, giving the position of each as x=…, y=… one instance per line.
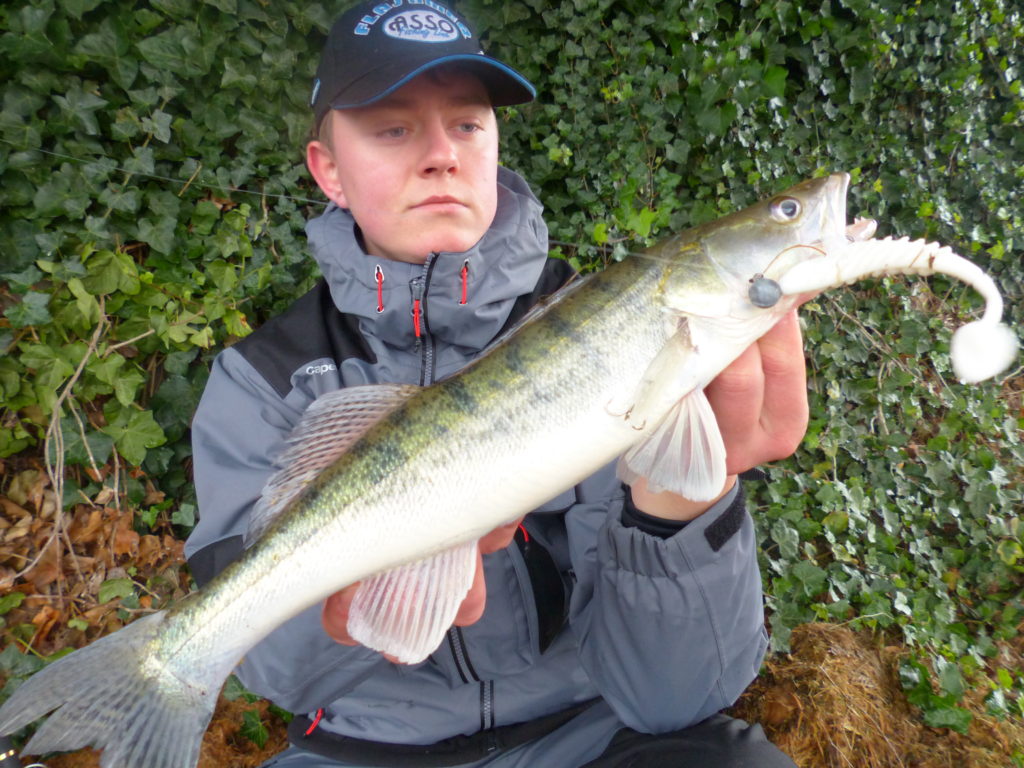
x=419, y=286
x=457, y=645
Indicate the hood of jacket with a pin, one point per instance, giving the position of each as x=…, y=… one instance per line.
x=465, y=298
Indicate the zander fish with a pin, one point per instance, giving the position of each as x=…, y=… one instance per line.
x=392, y=485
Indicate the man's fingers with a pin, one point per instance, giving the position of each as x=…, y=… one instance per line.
x=334, y=614
x=784, y=414
x=472, y=607
x=736, y=398
x=760, y=399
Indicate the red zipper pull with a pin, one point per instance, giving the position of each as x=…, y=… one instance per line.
x=416, y=286
x=316, y=719
x=378, y=275
x=464, y=273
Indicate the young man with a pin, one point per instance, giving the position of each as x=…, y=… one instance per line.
x=619, y=622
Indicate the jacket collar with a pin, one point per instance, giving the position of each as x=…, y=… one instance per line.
x=468, y=296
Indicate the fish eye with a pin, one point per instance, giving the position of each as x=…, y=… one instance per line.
x=785, y=209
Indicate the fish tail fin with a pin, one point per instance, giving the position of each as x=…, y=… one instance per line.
x=119, y=696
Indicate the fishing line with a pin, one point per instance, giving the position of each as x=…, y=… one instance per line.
x=603, y=249
x=146, y=175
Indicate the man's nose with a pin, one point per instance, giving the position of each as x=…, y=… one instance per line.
x=439, y=154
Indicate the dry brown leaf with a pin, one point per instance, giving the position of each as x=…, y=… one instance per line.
x=47, y=505
x=86, y=526
x=27, y=487
x=47, y=570
x=125, y=540
x=153, y=496
x=45, y=619
x=12, y=510
x=22, y=528
x=104, y=497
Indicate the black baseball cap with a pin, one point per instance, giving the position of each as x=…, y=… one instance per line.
x=377, y=47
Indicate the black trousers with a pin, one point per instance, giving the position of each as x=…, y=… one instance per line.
x=718, y=742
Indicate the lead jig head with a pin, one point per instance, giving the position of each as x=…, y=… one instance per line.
x=764, y=292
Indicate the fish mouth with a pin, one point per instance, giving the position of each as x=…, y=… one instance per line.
x=857, y=231
x=861, y=230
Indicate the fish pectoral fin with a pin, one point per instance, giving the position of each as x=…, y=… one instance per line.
x=330, y=426
x=685, y=453
x=668, y=378
x=406, y=611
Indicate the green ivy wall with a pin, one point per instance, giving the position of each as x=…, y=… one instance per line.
x=152, y=199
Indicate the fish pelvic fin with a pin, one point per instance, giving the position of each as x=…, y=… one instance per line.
x=116, y=696
x=406, y=611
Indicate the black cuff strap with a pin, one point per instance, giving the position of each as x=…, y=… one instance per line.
x=655, y=526
x=717, y=534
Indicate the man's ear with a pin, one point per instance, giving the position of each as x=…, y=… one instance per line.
x=321, y=163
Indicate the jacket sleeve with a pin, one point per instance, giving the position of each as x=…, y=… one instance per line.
x=670, y=630
x=240, y=424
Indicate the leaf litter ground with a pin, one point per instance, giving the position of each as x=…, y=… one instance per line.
x=65, y=580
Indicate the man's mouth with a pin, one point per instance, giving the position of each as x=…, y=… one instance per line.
x=438, y=200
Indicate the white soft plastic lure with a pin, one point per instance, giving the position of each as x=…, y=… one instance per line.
x=979, y=350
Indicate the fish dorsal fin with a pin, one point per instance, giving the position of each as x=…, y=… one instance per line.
x=685, y=453
x=406, y=611
x=328, y=428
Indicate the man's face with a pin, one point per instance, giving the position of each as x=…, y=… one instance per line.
x=418, y=169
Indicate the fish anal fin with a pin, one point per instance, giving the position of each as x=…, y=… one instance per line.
x=684, y=454
x=331, y=425
x=406, y=611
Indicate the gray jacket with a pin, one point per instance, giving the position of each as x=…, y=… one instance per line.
x=666, y=630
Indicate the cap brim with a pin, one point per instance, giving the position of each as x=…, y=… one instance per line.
x=504, y=85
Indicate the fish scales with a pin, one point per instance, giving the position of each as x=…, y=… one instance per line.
x=496, y=463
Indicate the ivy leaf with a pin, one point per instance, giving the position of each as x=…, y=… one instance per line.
x=178, y=50
x=233, y=689
x=775, y=81
x=33, y=309
x=954, y=718
x=184, y=515
x=10, y=601
x=17, y=664
x=254, y=729
x=77, y=451
x=115, y=589
x=110, y=271
x=133, y=432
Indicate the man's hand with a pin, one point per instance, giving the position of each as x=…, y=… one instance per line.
x=760, y=402
x=334, y=615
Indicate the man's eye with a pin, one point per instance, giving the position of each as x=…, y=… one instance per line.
x=469, y=127
x=393, y=133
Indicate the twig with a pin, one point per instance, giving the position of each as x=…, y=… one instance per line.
x=55, y=458
x=132, y=340
x=191, y=178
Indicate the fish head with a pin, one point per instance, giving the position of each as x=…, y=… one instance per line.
x=744, y=254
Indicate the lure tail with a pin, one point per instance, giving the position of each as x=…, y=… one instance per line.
x=119, y=696
x=979, y=350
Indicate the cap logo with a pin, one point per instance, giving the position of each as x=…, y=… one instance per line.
x=421, y=26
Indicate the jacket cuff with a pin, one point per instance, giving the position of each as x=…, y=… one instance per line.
x=728, y=510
